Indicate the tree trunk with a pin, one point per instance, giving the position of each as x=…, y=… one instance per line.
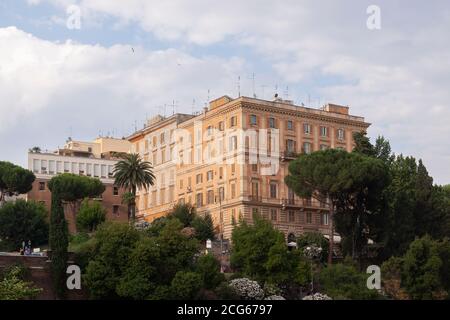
x=331, y=242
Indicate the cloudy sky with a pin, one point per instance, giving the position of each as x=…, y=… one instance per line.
x=132, y=59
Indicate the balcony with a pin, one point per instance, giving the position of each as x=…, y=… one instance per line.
x=253, y=198
x=291, y=202
x=289, y=155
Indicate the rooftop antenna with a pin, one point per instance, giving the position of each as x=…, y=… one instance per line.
x=193, y=105
x=286, y=93
x=239, y=86
x=173, y=106
x=135, y=125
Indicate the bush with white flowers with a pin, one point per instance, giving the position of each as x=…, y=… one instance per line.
x=317, y=296
x=247, y=289
x=274, y=297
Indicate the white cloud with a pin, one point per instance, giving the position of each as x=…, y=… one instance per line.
x=397, y=77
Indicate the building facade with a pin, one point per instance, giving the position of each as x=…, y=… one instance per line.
x=92, y=159
x=230, y=161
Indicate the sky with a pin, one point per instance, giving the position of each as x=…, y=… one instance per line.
x=86, y=68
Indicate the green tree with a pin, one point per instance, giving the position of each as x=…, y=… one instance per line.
x=14, y=180
x=23, y=221
x=185, y=285
x=113, y=246
x=353, y=184
x=66, y=188
x=138, y=265
x=208, y=267
x=185, y=213
x=73, y=189
x=204, y=228
x=260, y=252
x=422, y=270
x=90, y=215
x=342, y=281
x=132, y=173
x=14, y=287
x=58, y=240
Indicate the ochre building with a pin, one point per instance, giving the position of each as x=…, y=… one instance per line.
x=230, y=161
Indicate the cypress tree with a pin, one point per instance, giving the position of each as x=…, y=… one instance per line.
x=58, y=243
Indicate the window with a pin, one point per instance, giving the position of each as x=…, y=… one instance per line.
x=115, y=191
x=136, y=146
x=96, y=170
x=291, y=216
x=273, y=189
x=221, y=194
x=221, y=126
x=307, y=147
x=255, y=167
x=273, y=214
x=271, y=122
x=162, y=137
x=290, y=125
x=233, y=191
x=103, y=170
x=210, y=197
x=41, y=186
x=163, y=155
x=199, y=178
x=253, y=120
x=221, y=173
x=89, y=149
x=255, y=211
x=340, y=134
x=324, y=131
x=233, y=121
x=255, y=189
x=181, y=183
x=291, y=195
x=88, y=169
x=116, y=210
x=233, y=143
x=199, y=199
x=209, y=175
x=307, y=128
x=323, y=147
x=325, y=219
x=209, y=131
x=189, y=182
x=233, y=168
x=290, y=145
x=308, y=217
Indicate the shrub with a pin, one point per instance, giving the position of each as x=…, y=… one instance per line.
x=247, y=289
x=341, y=281
x=13, y=286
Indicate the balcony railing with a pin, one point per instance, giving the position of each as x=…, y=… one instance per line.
x=289, y=155
x=290, y=202
x=253, y=198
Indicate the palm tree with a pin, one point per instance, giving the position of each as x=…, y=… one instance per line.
x=131, y=173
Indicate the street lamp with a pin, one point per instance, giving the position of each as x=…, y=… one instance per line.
x=312, y=252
